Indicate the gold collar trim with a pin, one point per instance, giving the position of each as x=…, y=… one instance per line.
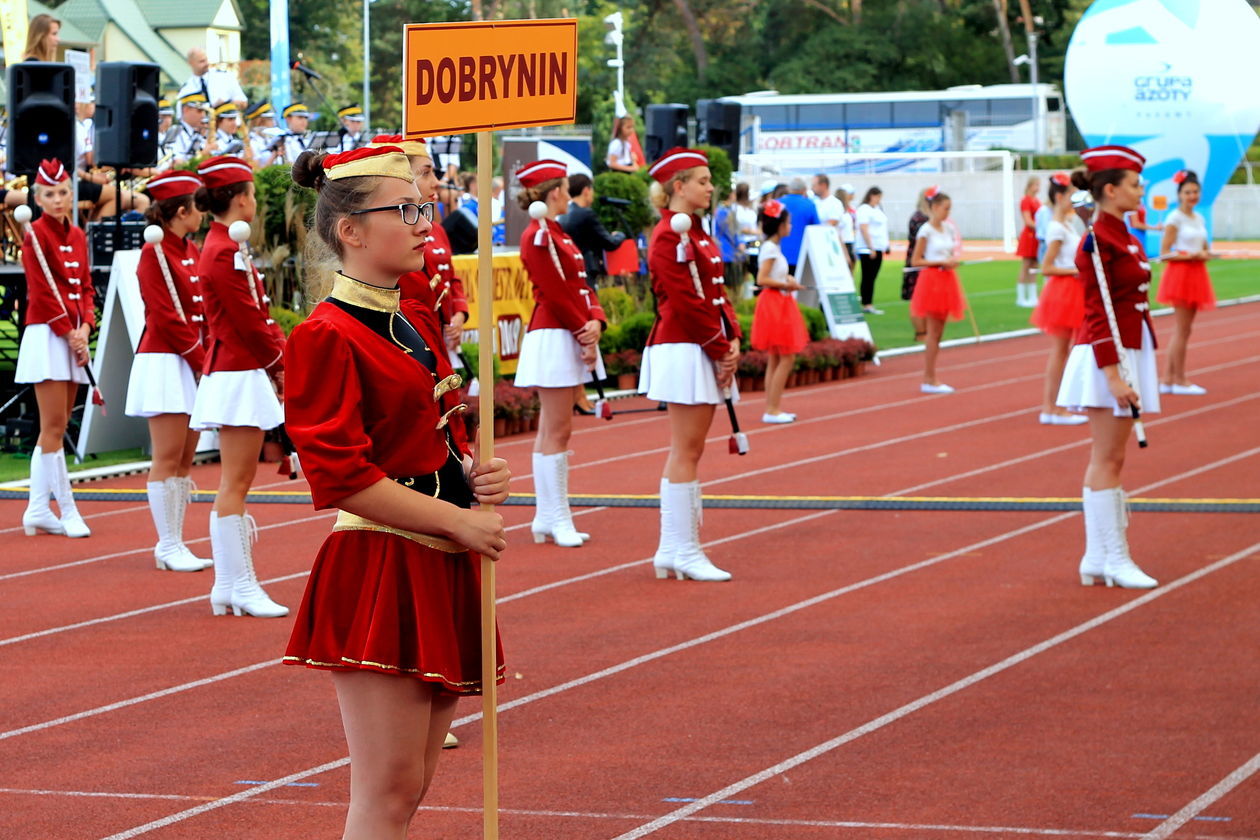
x=357, y=293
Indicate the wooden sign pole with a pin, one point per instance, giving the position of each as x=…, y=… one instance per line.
x=485, y=373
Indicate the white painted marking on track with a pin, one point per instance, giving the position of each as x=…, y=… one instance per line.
x=737, y=788
x=1206, y=800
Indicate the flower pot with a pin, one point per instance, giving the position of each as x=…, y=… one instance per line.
x=500, y=427
x=628, y=381
x=533, y=422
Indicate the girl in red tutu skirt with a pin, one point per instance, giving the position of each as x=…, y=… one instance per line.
x=1061, y=308
x=938, y=296
x=1185, y=285
x=778, y=326
x=392, y=607
x=1026, y=249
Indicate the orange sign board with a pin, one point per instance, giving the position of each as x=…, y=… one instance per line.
x=1159, y=202
x=485, y=75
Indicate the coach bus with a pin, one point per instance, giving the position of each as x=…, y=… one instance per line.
x=967, y=118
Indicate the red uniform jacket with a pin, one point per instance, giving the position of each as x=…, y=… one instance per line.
x=358, y=408
x=65, y=250
x=562, y=301
x=437, y=263
x=683, y=316
x=242, y=334
x=166, y=330
x=1128, y=276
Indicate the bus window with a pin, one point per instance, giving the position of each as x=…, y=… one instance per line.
x=868, y=114
x=915, y=114
x=812, y=117
x=1053, y=104
x=1009, y=111
x=773, y=117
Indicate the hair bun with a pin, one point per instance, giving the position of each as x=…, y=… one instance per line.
x=1080, y=179
x=308, y=170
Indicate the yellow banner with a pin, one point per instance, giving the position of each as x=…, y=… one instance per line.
x=14, y=18
x=513, y=303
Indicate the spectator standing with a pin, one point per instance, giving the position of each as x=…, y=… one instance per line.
x=872, y=244
x=848, y=222
x=586, y=230
x=42, y=39
x=726, y=234
x=803, y=214
x=214, y=84
x=621, y=148
x=829, y=208
x=910, y=274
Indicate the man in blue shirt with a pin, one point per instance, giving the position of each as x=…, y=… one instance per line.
x=803, y=213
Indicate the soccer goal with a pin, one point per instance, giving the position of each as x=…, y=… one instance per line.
x=981, y=185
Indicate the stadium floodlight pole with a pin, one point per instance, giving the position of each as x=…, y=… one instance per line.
x=616, y=37
x=367, y=66
x=1030, y=29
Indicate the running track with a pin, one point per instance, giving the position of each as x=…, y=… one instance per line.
x=866, y=675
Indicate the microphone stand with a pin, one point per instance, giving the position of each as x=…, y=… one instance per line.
x=309, y=79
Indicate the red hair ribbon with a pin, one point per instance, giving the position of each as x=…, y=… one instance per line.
x=1180, y=177
x=1061, y=179
x=931, y=192
x=772, y=209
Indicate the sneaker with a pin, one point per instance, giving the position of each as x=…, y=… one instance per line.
x=870, y=310
x=1189, y=390
x=781, y=417
x=1165, y=388
x=936, y=389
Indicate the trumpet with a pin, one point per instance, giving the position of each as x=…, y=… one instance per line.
x=17, y=182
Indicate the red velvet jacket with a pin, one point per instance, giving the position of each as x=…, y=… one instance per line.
x=682, y=315
x=1128, y=276
x=561, y=301
x=166, y=330
x=358, y=407
x=65, y=250
x=242, y=334
x=437, y=263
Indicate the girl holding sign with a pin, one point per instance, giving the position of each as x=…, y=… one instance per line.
x=1185, y=285
x=392, y=607
x=561, y=348
x=692, y=351
x=938, y=296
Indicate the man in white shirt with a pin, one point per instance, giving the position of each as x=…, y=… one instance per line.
x=297, y=119
x=215, y=85
x=350, y=135
x=265, y=139
x=829, y=207
x=188, y=138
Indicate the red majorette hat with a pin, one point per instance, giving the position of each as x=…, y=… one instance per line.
x=173, y=183
x=224, y=170
x=1102, y=158
x=676, y=160
x=533, y=174
x=51, y=173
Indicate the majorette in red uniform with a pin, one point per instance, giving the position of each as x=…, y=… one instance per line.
x=170, y=355
x=695, y=328
x=567, y=319
x=1085, y=382
x=371, y=396
x=60, y=311
x=1027, y=248
x=245, y=354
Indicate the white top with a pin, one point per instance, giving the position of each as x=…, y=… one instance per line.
x=82, y=143
x=746, y=219
x=829, y=209
x=619, y=150
x=1041, y=221
x=941, y=244
x=1191, y=231
x=771, y=253
x=877, y=229
x=1070, y=238
x=218, y=85
x=848, y=230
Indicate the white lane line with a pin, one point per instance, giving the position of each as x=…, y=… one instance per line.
x=1202, y=803
x=737, y=788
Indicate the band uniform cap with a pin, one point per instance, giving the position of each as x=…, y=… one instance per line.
x=1103, y=158
x=195, y=100
x=173, y=183
x=351, y=112
x=676, y=160
x=379, y=161
x=164, y=108
x=51, y=173
x=533, y=174
x=226, y=110
x=410, y=148
x=260, y=110
x=297, y=109
x=224, y=170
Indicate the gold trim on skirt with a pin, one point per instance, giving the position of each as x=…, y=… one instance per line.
x=352, y=522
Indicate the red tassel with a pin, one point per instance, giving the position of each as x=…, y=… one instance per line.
x=603, y=410
x=97, y=399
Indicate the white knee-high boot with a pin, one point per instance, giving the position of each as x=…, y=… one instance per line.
x=1118, y=568
x=663, y=562
x=235, y=583
x=1093, y=561
x=186, y=487
x=166, y=507
x=689, y=559
x=552, y=516
x=39, y=515
x=71, y=521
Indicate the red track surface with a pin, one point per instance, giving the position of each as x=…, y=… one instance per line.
x=866, y=674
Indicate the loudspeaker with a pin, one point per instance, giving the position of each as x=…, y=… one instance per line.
x=126, y=122
x=717, y=124
x=41, y=115
x=666, y=128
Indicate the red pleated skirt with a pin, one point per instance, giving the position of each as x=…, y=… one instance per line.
x=1061, y=307
x=939, y=295
x=1186, y=283
x=1027, y=245
x=778, y=326
x=384, y=603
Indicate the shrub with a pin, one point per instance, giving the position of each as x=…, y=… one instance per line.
x=286, y=318
x=635, y=330
x=753, y=363
x=471, y=352
x=617, y=303
x=612, y=340
x=721, y=169
x=623, y=361
x=745, y=328
x=638, y=216
x=815, y=322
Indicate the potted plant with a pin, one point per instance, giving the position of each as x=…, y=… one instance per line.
x=752, y=370
x=624, y=366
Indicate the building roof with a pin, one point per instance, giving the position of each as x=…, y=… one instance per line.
x=165, y=14
x=91, y=16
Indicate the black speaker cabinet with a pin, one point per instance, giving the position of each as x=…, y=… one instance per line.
x=717, y=124
x=126, y=122
x=666, y=128
x=41, y=115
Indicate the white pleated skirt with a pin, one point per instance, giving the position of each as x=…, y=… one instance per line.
x=44, y=355
x=160, y=383
x=1085, y=386
x=552, y=358
x=236, y=398
x=680, y=373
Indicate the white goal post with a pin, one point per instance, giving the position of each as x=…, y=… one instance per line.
x=981, y=184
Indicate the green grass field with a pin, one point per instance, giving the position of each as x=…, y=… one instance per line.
x=990, y=289
x=14, y=466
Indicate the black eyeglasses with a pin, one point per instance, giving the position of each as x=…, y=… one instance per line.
x=410, y=212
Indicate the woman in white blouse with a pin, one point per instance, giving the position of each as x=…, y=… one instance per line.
x=872, y=245
x=620, y=149
x=1185, y=284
